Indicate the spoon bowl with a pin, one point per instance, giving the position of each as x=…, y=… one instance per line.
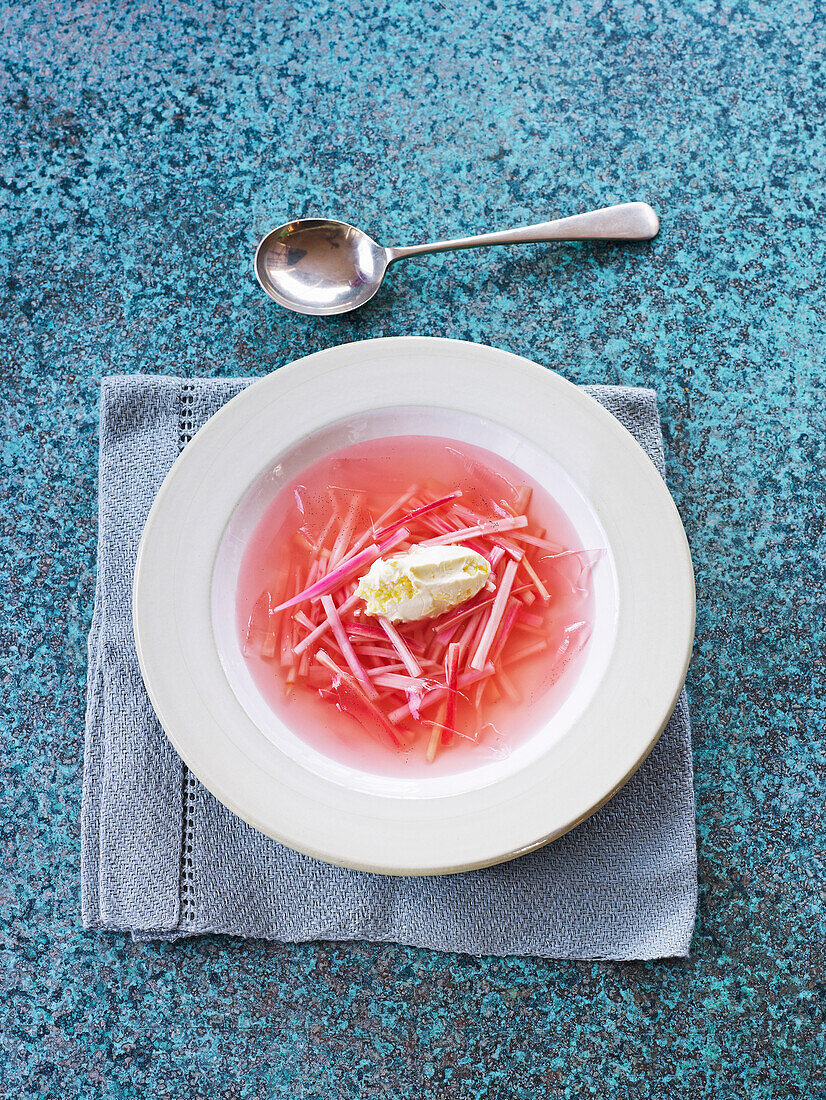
x=320, y=266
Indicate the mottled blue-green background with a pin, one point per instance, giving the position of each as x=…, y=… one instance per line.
x=146, y=146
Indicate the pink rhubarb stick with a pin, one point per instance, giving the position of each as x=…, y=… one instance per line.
x=322, y=538
x=528, y=651
x=544, y=544
x=445, y=635
x=425, y=508
x=530, y=618
x=364, y=630
x=508, y=623
x=385, y=652
x=367, y=630
x=340, y=634
x=379, y=670
x=508, y=687
x=344, y=571
x=346, y=533
x=400, y=503
x=335, y=578
x=496, y=612
x=322, y=629
x=523, y=498
x=435, y=694
x=452, y=682
x=368, y=534
x=258, y=621
x=466, y=636
x=492, y=527
x=400, y=683
x=303, y=619
x=355, y=686
x=538, y=585
x=473, y=518
x=436, y=735
x=468, y=609
x=400, y=646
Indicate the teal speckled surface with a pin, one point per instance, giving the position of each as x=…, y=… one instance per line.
x=147, y=148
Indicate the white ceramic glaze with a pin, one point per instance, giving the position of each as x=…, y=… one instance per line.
x=207, y=703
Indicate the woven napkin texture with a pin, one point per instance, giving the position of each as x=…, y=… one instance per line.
x=161, y=858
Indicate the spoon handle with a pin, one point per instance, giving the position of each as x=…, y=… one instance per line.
x=630, y=221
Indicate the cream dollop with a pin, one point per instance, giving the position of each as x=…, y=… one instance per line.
x=423, y=582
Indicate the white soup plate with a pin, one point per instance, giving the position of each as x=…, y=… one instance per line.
x=205, y=698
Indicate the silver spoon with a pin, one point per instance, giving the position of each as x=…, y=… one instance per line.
x=319, y=266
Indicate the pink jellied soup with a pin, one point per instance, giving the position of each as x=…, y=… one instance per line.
x=442, y=693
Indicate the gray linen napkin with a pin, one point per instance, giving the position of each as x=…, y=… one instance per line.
x=161, y=858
